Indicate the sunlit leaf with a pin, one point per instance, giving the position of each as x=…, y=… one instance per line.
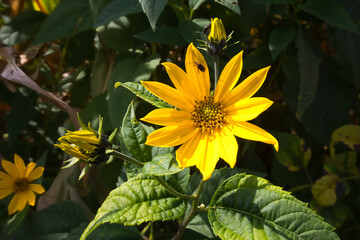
x=249, y=207
x=323, y=190
x=135, y=135
x=138, y=200
x=347, y=134
x=143, y=93
x=161, y=165
x=195, y=4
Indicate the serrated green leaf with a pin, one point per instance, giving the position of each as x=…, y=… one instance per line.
x=144, y=94
x=135, y=137
x=249, y=207
x=68, y=18
x=161, y=165
x=233, y=5
x=117, y=9
x=21, y=28
x=280, y=38
x=323, y=190
x=138, y=200
x=152, y=9
x=347, y=134
x=331, y=12
x=293, y=154
x=164, y=35
x=309, y=63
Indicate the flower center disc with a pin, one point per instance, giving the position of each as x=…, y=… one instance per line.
x=208, y=115
x=21, y=185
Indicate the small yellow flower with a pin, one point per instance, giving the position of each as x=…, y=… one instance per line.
x=203, y=124
x=17, y=179
x=81, y=144
x=217, y=31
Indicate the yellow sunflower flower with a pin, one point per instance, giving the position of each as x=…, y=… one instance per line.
x=205, y=124
x=17, y=179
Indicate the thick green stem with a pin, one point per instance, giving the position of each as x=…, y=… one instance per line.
x=192, y=213
x=216, y=69
x=140, y=164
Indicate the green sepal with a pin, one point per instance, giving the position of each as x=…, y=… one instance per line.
x=112, y=136
x=70, y=162
x=100, y=129
x=82, y=124
x=140, y=91
x=85, y=170
x=140, y=199
x=161, y=165
x=249, y=207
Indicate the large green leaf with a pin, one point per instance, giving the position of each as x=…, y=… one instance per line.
x=152, y=9
x=347, y=134
x=55, y=220
x=161, y=165
x=309, y=63
x=249, y=207
x=138, y=200
x=331, y=12
x=21, y=28
x=68, y=18
x=195, y=4
x=143, y=93
x=134, y=136
x=117, y=9
x=280, y=38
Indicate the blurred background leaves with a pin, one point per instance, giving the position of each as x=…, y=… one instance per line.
x=78, y=50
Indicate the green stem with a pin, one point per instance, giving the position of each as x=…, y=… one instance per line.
x=140, y=164
x=216, y=69
x=192, y=213
x=298, y=188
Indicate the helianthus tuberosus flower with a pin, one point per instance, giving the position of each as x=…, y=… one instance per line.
x=217, y=31
x=86, y=145
x=17, y=179
x=203, y=124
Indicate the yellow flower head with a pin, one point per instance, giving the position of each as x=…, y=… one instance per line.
x=17, y=179
x=217, y=31
x=203, y=124
x=82, y=144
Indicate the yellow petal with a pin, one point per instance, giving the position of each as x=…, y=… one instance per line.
x=251, y=132
x=180, y=80
x=171, y=136
x=37, y=173
x=247, y=88
x=29, y=168
x=71, y=150
x=207, y=159
x=37, y=188
x=6, y=183
x=23, y=199
x=30, y=197
x=217, y=30
x=10, y=168
x=168, y=117
x=169, y=95
x=229, y=77
x=20, y=166
x=247, y=109
x=5, y=192
x=228, y=146
x=199, y=80
x=5, y=176
x=13, y=205
x=185, y=154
